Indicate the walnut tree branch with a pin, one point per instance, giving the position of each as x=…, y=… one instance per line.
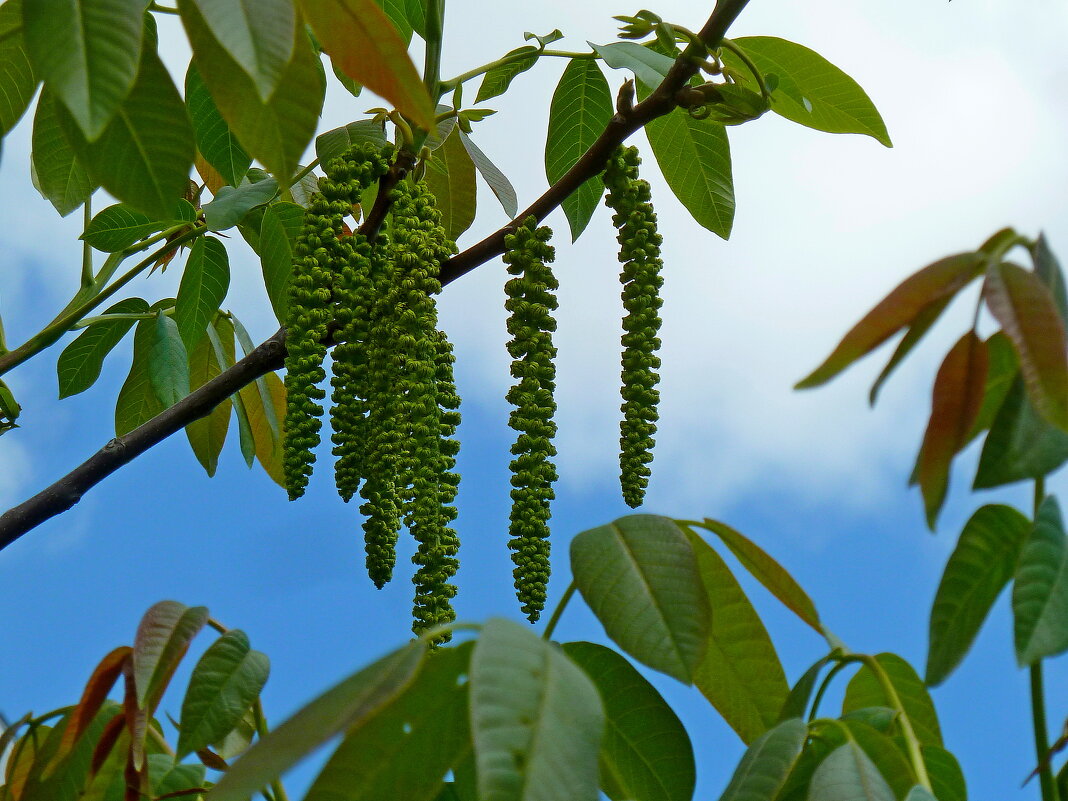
x=270, y=355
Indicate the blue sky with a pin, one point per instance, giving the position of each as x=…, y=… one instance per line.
x=973, y=95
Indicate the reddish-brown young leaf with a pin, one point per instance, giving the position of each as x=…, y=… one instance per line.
x=108, y=738
x=136, y=720
x=1024, y=306
x=162, y=638
x=363, y=43
x=933, y=283
x=955, y=403
x=96, y=691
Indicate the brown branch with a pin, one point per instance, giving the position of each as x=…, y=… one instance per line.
x=67, y=491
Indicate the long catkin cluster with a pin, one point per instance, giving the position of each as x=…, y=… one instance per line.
x=639, y=252
x=531, y=302
x=395, y=406
x=323, y=264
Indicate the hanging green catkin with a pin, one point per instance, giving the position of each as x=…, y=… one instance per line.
x=318, y=257
x=427, y=401
x=531, y=304
x=639, y=251
x=355, y=295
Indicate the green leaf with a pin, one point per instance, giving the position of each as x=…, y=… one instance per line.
x=65, y=782
x=17, y=80
x=405, y=750
x=450, y=175
x=397, y=11
x=648, y=66
x=278, y=232
x=1040, y=592
x=168, y=365
x=343, y=707
x=887, y=757
x=922, y=323
x=976, y=573
x=208, y=434
x=137, y=402
x=740, y=673
x=205, y=281
x=87, y=51
x=1027, y=311
x=498, y=79
x=581, y=109
x=257, y=36
x=168, y=777
x=1021, y=444
x=144, y=155
x=947, y=780
x=811, y=90
x=80, y=362
x=864, y=690
x=232, y=203
x=767, y=763
x=956, y=401
x=848, y=774
x=695, y=158
x=225, y=682
x=56, y=171
x=498, y=182
x=216, y=143
x=162, y=638
x=264, y=400
x=536, y=719
x=639, y=575
x=943, y=279
x=417, y=15
x=363, y=42
x=333, y=143
x=645, y=751
x=767, y=571
x=119, y=226
x=276, y=131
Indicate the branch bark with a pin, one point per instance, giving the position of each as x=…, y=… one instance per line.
x=270, y=355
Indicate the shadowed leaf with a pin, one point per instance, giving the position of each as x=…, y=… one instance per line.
x=203, y=288
x=450, y=175
x=536, y=719
x=976, y=573
x=1023, y=305
x=740, y=673
x=168, y=362
x=916, y=331
x=208, y=434
x=645, y=751
x=1040, y=592
x=767, y=763
x=279, y=230
x=955, y=403
x=640, y=577
x=498, y=182
x=216, y=143
x=341, y=708
x=56, y=171
x=498, y=79
x=333, y=143
x=848, y=774
x=17, y=80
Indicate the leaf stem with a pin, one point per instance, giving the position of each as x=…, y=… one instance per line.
x=277, y=789
x=87, y=249
x=824, y=686
x=727, y=43
x=561, y=605
x=53, y=332
x=162, y=9
x=510, y=58
x=1038, y=697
